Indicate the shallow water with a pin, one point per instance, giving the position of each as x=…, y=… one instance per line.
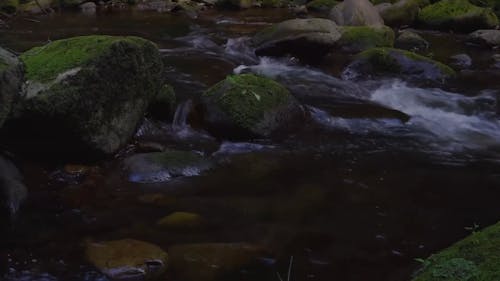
x=357, y=193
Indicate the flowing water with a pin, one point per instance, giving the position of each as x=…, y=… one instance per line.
x=383, y=172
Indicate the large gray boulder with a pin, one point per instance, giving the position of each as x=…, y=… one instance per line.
x=403, y=12
x=91, y=90
x=11, y=78
x=300, y=37
x=356, y=12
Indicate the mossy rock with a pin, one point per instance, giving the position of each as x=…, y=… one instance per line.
x=181, y=220
x=11, y=79
x=9, y=6
x=403, y=12
x=396, y=62
x=158, y=167
x=163, y=105
x=127, y=259
x=303, y=38
x=91, y=90
x=32, y=7
x=459, y=15
x=248, y=105
x=212, y=261
x=323, y=6
x=411, y=41
x=475, y=258
x=360, y=38
x=356, y=13
x=273, y=3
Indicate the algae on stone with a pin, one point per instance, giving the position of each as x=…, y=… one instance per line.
x=457, y=15
x=360, y=38
x=475, y=258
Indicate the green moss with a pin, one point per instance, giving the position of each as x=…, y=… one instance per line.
x=321, y=5
x=384, y=59
x=46, y=62
x=9, y=6
x=166, y=96
x=475, y=258
x=457, y=14
x=174, y=159
x=273, y=3
x=3, y=65
x=366, y=37
x=246, y=98
x=181, y=220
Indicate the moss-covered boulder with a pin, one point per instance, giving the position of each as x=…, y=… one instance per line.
x=234, y=4
x=11, y=79
x=211, y=261
x=486, y=37
x=403, y=12
x=157, y=167
x=356, y=12
x=91, y=91
x=474, y=258
x=181, y=220
x=411, y=41
x=459, y=15
x=32, y=7
x=249, y=105
x=162, y=106
x=360, y=38
x=127, y=259
x=9, y=6
x=323, y=6
x=303, y=38
x=396, y=62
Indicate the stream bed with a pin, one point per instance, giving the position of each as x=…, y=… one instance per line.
x=354, y=194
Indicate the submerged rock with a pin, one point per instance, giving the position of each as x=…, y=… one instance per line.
x=209, y=261
x=388, y=61
x=11, y=79
x=474, y=258
x=247, y=104
x=486, y=37
x=181, y=220
x=411, y=41
x=360, y=38
x=458, y=15
x=461, y=61
x=90, y=91
x=9, y=6
x=163, y=166
x=127, y=259
x=300, y=37
x=356, y=12
x=12, y=189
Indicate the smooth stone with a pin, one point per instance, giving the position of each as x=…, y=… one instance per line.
x=356, y=12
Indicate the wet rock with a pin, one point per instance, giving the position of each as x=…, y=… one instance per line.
x=388, y=61
x=411, y=41
x=324, y=6
x=490, y=38
x=11, y=79
x=88, y=8
x=273, y=3
x=356, y=12
x=127, y=259
x=163, y=105
x=496, y=61
x=12, y=189
x=249, y=105
x=71, y=3
x=297, y=37
x=474, y=258
x=209, y=261
x=181, y=220
x=360, y=38
x=461, y=61
x=234, y=4
x=458, y=15
x=163, y=166
x=43, y=6
x=403, y=12
x=9, y=6
x=90, y=91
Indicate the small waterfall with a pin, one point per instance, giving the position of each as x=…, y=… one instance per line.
x=181, y=114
